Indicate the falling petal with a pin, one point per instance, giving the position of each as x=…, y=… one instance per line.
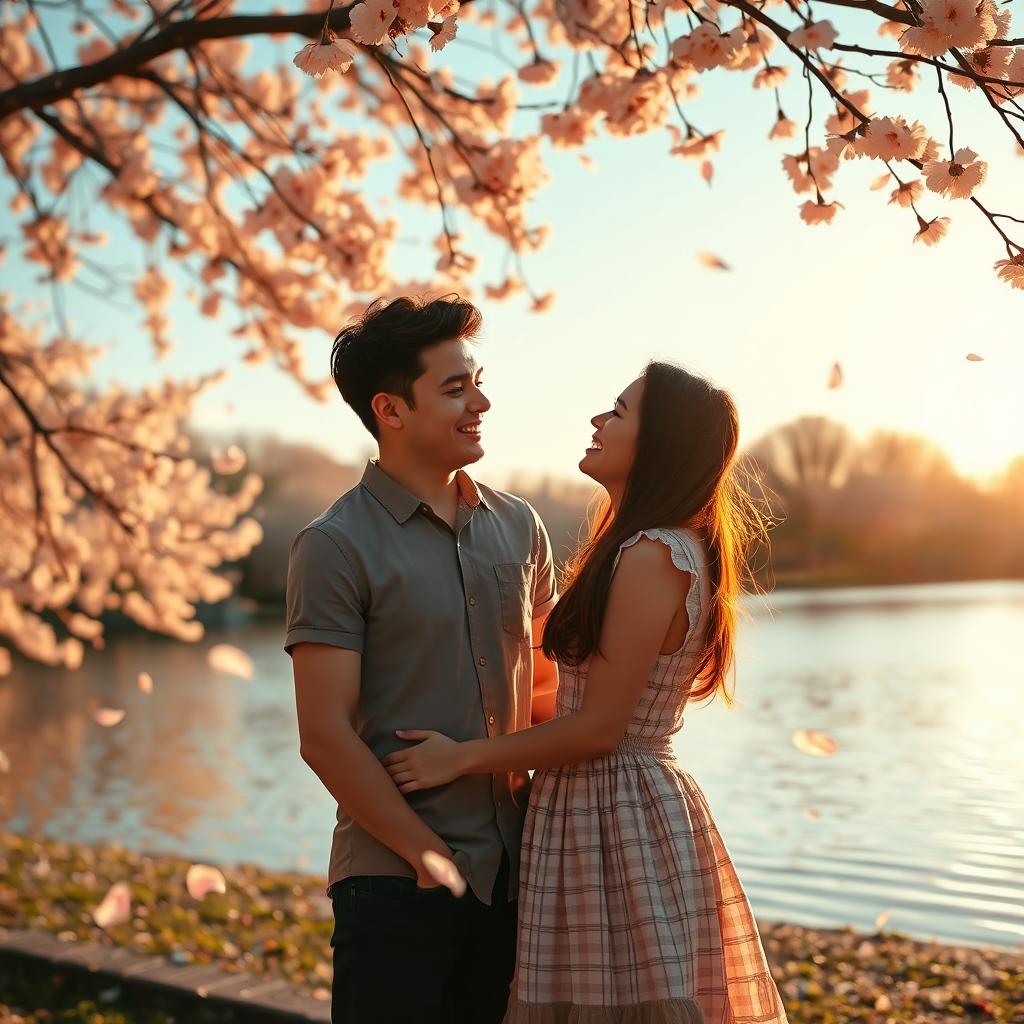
x=230, y=660
x=817, y=744
x=973, y=357
x=108, y=717
x=145, y=682
x=444, y=872
x=712, y=262
x=587, y=162
x=835, y=377
x=116, y=906
x=881, y=182
x=201, y=879
x=883, y=919
x=811, y=813
x=707, y=171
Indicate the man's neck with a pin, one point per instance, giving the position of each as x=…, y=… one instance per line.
x=437, y=487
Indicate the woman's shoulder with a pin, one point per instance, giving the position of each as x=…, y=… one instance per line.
x=684, y=544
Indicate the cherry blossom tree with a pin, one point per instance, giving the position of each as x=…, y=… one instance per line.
x=171, y=121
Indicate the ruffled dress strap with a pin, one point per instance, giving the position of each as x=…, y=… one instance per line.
x=682, y=545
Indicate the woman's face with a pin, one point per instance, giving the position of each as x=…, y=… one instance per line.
x=609, y=459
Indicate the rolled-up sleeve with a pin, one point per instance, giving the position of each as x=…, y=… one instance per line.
x=545, y=587
x=325, y=602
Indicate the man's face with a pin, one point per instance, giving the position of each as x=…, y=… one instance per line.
x=444, y=423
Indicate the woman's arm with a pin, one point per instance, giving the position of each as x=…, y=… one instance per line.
x=646, y=593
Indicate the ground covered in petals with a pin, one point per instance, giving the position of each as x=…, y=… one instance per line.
x=279, y=924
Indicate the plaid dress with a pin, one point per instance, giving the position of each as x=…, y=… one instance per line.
x=630, y=909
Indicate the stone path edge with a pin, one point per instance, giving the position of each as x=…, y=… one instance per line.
x=258, y=999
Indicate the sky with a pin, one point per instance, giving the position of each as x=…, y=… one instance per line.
x=899, y=317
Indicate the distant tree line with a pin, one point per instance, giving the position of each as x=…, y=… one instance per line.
x=889, y=509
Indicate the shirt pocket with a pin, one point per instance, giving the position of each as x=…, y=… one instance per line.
x=514, y=583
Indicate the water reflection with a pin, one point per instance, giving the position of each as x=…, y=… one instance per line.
x=920, y=813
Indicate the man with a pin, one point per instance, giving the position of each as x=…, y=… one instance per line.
x=413, y=602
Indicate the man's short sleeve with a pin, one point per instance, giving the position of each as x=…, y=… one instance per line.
x=545, y=587
x=324, y=603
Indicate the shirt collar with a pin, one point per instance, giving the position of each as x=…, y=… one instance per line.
x=402, y=503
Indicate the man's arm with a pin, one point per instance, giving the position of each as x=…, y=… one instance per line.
x=545, y=677
x=326, y=696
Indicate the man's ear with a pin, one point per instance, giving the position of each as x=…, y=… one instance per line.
x=388, y=409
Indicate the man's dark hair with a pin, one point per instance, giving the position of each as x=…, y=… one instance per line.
x=380, y=351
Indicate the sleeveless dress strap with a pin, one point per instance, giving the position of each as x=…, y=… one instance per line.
x=681, y=546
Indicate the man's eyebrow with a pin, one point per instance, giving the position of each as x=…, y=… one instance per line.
x=456, y=377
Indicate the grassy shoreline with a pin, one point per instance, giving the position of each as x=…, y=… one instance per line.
x=279, y=923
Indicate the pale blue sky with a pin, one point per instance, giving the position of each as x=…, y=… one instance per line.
x=898, y=316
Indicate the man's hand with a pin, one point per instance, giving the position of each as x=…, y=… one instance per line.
x=434, y=761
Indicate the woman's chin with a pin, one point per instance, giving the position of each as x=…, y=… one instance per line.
x=587, y=468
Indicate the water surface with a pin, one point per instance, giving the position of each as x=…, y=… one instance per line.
x=920, y=815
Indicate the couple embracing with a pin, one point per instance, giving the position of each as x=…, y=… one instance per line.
x=434, y=669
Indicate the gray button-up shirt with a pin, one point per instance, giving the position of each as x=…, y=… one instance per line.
x=442, y=620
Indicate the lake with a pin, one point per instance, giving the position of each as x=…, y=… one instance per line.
x=919, y=815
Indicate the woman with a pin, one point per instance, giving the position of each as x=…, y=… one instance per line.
x=630, y=908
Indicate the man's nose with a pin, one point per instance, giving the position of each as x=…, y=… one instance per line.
x=480, y=401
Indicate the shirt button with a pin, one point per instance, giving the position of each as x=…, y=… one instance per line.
x=481, y=661
x=490, y=719
x=498, y=804
x=472, y=601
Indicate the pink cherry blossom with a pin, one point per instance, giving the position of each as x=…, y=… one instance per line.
x=902, y=75
x=1011, y=270
x=318, y=57
x=818, y=35
x=540, y=72
x=891, y=138
x=771, y=77
x=931, y=232
x=819, y=212
x=946, y=24
x=907, y=193
x=371, y=20
x=415, y=13
x=783, y=128
x=568, y=129
x=445, y=34
x=706, y=47
x=957, y=178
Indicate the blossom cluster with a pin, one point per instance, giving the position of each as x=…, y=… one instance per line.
x=103, y=509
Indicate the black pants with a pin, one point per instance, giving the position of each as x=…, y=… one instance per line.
x=404, y=955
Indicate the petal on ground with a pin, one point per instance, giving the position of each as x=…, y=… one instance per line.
x=201, y=879
x=116, y=907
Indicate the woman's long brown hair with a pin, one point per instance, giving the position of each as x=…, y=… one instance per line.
x=683, y=475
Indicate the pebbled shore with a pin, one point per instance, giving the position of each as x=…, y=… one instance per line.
x=278, y=925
